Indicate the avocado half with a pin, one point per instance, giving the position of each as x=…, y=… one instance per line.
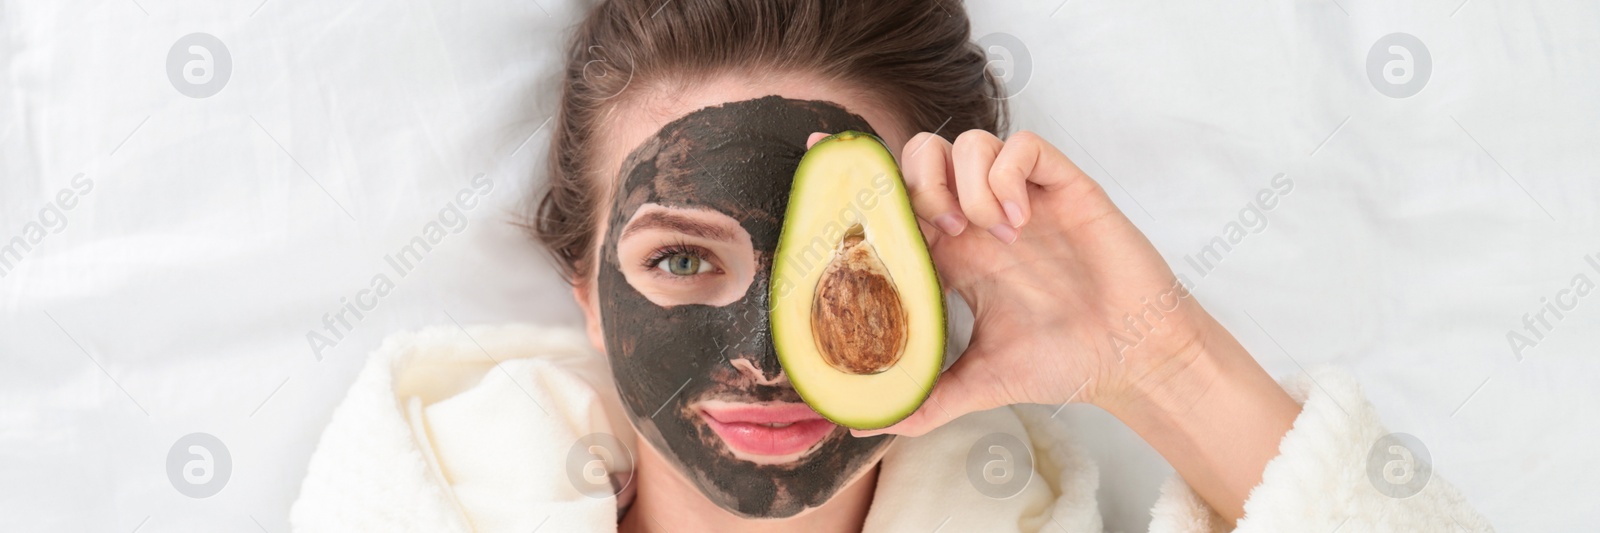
x=857, y=313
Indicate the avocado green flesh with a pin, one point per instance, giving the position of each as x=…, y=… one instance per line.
x=850, y=179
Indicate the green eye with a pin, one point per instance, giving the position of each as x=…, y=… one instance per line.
x=683, y=264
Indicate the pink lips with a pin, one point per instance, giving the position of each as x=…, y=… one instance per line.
x=768, y=429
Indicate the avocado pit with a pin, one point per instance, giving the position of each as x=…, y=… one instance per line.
x=857, y=319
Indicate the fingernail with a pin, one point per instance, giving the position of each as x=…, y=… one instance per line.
x=951, y=223
x=1013, y=213
x=1006, y=234
x=861, y=434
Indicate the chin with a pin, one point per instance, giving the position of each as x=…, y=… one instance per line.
x=786, y=505
x=767, y=473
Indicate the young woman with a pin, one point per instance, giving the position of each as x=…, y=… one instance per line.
x=674, y=151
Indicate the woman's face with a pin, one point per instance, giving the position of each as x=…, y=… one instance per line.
x=679, y=295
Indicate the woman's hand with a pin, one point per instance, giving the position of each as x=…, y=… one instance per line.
x=1073, y=304
x=1061, y=284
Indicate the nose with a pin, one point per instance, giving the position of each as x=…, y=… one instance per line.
x=760, y=376
x=753, y=353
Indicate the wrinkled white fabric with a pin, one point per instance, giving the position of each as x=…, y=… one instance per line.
x=471, y=430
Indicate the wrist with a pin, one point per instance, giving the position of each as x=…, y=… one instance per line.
x=1167, y=390
x=1215, y=415
x=1168, y=367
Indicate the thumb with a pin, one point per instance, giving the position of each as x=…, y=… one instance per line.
x=957, y=392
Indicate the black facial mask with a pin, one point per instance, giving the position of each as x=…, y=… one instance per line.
x=738, y=159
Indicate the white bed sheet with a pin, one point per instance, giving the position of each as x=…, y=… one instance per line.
x=177, y=296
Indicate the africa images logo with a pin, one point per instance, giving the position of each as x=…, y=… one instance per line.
x=198, y=65
x=1399, y=65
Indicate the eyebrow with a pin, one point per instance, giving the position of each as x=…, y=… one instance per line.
x=678, y=223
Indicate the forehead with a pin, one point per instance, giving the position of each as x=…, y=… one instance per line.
x=738, y=158
x=642, y=113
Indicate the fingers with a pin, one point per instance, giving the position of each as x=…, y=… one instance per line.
x=926, y=165
x=990, y=179
x=812, y=141
x=952, y=396
x=974, y=154
x=1027, y=158
x=1008, y=177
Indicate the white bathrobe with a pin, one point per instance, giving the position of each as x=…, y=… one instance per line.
x=452, y=430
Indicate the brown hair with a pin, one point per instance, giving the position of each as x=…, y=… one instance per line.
x=914, y=56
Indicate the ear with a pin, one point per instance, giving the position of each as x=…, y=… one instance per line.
x=591, y=313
